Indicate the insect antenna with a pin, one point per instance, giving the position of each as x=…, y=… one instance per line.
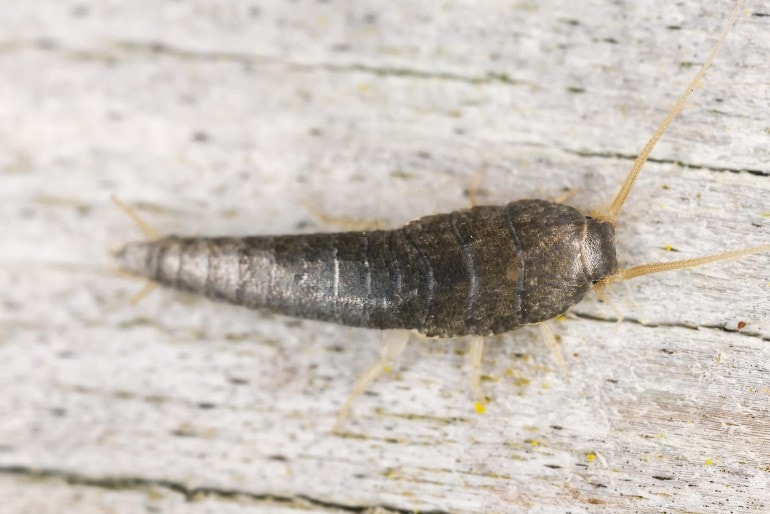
x=660, y=267
x=611, y=213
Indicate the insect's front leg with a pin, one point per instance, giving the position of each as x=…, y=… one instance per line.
x=550, y=340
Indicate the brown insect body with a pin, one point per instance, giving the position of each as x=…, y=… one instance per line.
x=481, y=271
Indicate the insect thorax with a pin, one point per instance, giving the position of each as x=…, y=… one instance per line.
x=493, y=269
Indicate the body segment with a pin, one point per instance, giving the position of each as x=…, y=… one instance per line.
x=480, y=271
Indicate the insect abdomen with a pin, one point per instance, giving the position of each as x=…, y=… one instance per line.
x=481, y=271
x=353, y=278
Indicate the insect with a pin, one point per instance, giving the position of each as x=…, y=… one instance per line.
x=477, y=272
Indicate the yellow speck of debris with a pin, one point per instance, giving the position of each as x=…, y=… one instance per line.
x=766, y=214
x=387, y=369
x=590, y=457
x=665, y=187
x=534, y=443
x=480, y=407
x=668, y=248
x=561, y=317
x=709, y=462
x=363, y=87
x=545, y=385
x=521, y=382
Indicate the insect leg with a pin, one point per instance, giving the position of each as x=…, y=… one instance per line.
x=566, y=195
x=347, y=223
x=475, y=353
x=475, y=188
x=550, y=340
x=392, y=345
x=601, y=294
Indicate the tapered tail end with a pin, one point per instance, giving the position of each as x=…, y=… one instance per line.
x=135, y=258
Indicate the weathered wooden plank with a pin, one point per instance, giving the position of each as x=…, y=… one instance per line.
x=227, y=118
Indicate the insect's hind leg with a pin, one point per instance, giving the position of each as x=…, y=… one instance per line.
x=347, y=223
x=391, y=347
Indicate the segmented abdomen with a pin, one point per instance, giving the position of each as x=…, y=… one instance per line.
x=481, y=271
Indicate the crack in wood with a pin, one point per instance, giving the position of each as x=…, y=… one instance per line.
x=191, y=493
x=640, y=323
x=689, y=166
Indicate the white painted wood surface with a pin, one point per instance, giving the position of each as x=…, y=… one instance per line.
x=229, y=117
